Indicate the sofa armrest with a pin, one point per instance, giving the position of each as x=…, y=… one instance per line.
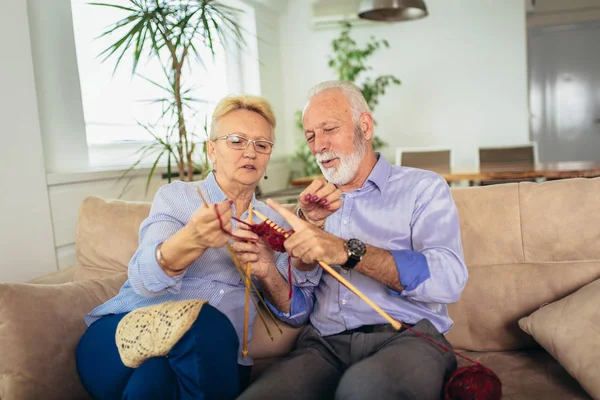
x=41, y=326
x=60, y=276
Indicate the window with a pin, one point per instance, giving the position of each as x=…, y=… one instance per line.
x=114, y=102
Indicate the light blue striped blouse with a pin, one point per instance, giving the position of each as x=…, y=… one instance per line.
x=212, y=276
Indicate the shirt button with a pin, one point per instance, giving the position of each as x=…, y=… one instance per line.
x=222, y=291
x=344, y=271
x=343, y=301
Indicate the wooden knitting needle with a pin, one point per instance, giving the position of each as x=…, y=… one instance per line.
x=247, y=303
x=240, y=270
x=396, y=324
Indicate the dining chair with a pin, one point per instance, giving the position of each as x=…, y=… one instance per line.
x=438, y=159
x=507, y=158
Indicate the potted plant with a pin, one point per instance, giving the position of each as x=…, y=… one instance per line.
x=172, y=31
x=349, y=61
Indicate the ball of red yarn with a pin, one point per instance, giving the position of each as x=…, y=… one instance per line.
x=473, y=383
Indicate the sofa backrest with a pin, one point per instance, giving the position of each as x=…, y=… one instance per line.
x=107, y=236
x=525, y=245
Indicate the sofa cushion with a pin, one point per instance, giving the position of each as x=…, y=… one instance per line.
x=42, y=325
x=61, y=276
x=529, y=374
x=525, y=244
x=107, y=236
x=569, y=330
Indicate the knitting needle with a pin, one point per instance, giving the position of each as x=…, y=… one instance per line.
x=240, y=270
x=396, y=324
x=243, y=276
x=247, y=303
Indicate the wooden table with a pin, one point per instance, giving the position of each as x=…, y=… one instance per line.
x=555, y=170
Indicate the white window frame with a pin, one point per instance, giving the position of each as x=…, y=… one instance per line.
x=243, y=76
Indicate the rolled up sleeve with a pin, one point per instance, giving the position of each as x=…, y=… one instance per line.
x=147, y=278
x=434, y=271
x=413, y=268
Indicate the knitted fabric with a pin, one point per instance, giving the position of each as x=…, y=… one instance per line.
x=152, y=331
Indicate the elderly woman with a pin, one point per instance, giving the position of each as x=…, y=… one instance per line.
x=182, y=256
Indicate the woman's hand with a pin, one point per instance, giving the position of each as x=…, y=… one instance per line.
x=204, y=226
x=248, y=247
x=319, y=200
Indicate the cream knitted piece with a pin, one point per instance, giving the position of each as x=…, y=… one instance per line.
x=152, y=331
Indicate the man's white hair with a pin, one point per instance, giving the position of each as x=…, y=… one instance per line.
x=349, y=163
x=351, y=92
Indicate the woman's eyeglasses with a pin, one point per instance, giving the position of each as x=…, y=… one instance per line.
x=236, y=141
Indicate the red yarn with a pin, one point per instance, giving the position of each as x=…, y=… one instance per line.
x=274, y=236
x=468, y=383
x=475, y=382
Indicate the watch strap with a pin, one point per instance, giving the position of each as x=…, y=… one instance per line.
x=351, y=262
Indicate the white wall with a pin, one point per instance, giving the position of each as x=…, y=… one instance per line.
x=68, y=190
x=463, y=70
x=57, y=84
x=26, y=237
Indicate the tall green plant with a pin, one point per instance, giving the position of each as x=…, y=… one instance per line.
x=349, y=62
x=173, y=32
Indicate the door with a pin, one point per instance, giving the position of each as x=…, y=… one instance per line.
x=564, y=91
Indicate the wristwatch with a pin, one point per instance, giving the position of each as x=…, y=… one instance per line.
x=356, y=250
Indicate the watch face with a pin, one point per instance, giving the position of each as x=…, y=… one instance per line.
x=357, y=247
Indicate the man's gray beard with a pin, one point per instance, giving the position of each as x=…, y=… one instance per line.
x=348, y=164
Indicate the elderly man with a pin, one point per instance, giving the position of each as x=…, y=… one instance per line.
x=397, y=239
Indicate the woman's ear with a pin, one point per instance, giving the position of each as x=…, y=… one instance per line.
x=212, y=153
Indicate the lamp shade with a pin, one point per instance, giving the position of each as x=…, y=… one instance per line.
x=392, y=10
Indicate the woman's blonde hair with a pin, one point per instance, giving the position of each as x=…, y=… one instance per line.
x=255, y=104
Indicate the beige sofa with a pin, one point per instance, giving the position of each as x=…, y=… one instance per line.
x=525, y=245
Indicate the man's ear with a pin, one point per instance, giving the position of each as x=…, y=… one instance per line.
x=366, y=125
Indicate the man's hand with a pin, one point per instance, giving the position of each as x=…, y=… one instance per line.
x=319, y=200
x=309, y=243
x=250, y=248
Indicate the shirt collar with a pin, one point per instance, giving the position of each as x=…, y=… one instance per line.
x=380, y=173
x=214, y=191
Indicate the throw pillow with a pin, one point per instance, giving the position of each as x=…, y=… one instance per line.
x=42, y=325
x=569, y=329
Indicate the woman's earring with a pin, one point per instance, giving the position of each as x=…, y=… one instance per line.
x=266, y=176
